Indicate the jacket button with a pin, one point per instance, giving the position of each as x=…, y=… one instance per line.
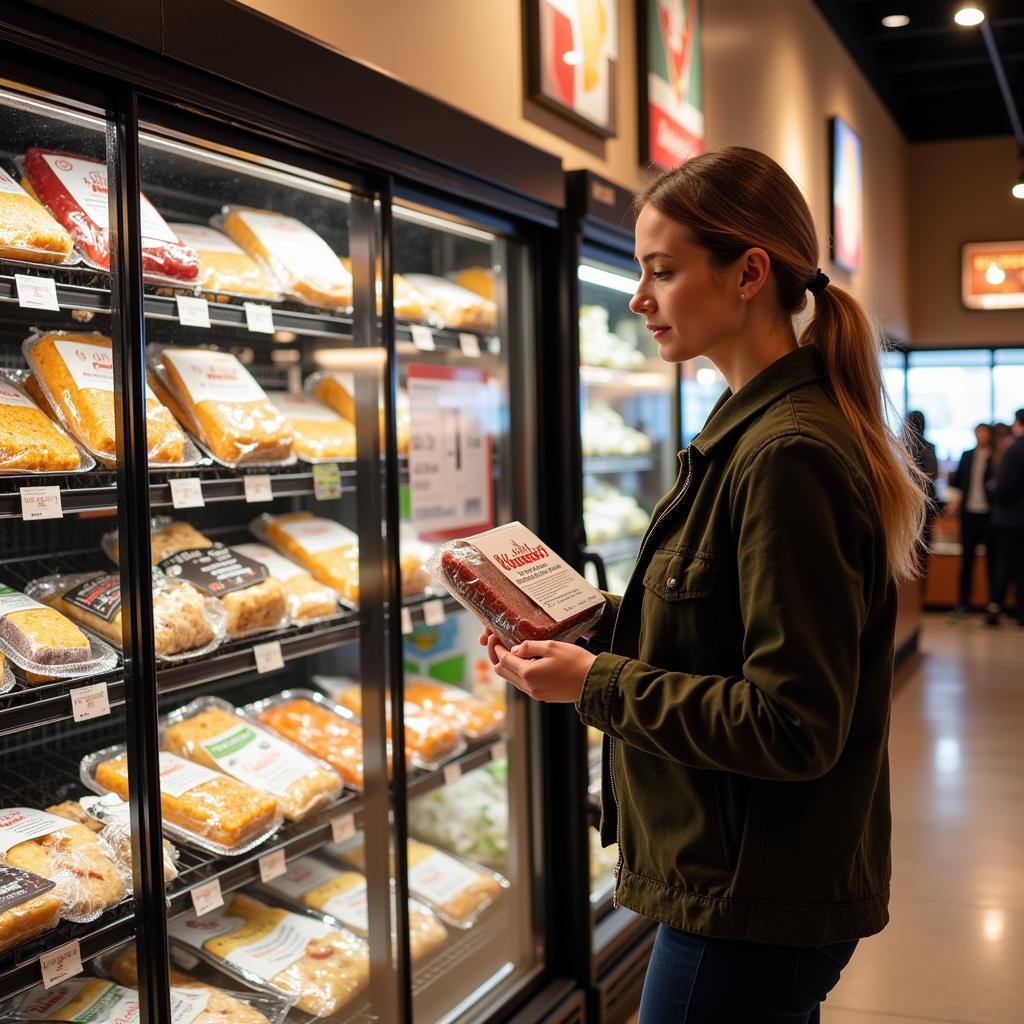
x=670, y=582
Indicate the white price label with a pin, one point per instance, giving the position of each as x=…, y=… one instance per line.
x=343, y=828
x=434, y=613
x=470, y=345
x=268, y=656
x=41, y=503
x=60, y=964
x=499, y=752
x=207, y=897
x=452, y=773
x=423, y=338
x=259, y=318
x=187, y=492
x=193, y=312
x=494, y=345
x=406, y=622
x=272, y=865
x=258, y=488
x=36, y=292
x=90, y=702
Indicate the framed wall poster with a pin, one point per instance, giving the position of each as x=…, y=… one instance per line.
x=992, y=275
x=573, y=54
x=847, y=180
x=671, y=83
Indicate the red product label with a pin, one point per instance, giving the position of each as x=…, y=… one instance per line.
x=100, y=596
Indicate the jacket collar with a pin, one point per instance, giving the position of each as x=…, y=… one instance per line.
x=734, y=411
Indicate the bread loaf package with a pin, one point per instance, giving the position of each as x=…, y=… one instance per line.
x=31, y=442
x=474, y=717
x=517, y=586
x=408, y=303
x=450, y=305
x=308, y=600
x=323, y=967
x=75, y=372
x=27, y=231
x=29, y=906
x=337, y=390
x=321, y=435
x=6, y=675
x=224, y=267
x=222, y=405
x=478, y=280
x=303, y=263
x=210, y=732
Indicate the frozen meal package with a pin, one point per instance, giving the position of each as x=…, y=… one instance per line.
x=303, y=263
x=200, y=806
x=478, y=280
x=210, y=732
x=31, y=442
x=223, y=406
x=474, y=717
x=74, y=189
x=337, y=390
x=409, y=304
x=323, y=967
x=224, y=267
x=450, y=305
x=75, y=373
x=27, y=231
x=321, y=435
x=29, y=906
x=87, y=876
x=516, y=585
x=308, y=600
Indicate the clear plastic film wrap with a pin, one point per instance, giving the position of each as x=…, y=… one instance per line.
x=27, y=231
x=450, y=305
x=321, y=435
x=516, y=585
x=29, y=906
x=6, y=674
x=32, y=442
x=337, y=390
x=474, y=717
x=225, y=268
x=308, y=600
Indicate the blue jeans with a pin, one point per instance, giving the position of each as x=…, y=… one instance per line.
x=697, y=980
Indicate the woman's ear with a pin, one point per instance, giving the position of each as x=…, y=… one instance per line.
x=755, y=266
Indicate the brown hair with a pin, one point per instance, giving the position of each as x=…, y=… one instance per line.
x=734, y=199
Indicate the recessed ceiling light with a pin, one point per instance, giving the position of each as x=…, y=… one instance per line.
x=895, y=20
x=969, y=16
x=1018, y=190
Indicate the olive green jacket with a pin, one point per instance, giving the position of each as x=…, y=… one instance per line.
x=745, y=696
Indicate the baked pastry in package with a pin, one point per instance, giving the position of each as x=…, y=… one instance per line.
x=220, y=402
x=478, y=280
x=27, y=231
x=303, y=263
x=307, y=599
x=210, y=732
x=224, y=267
x=74, y=190
x=322, y=966
x=87, y=877
x=6, y=675
x=450, y=305
x=30, y=442
x=29, y=906
x=408, y=303
x=474, y=717
x=337, y=390
x=321, y=435
x=75, y=373
x=516, y=585
x=200, y=806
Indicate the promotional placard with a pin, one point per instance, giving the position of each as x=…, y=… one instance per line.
x=992, y=275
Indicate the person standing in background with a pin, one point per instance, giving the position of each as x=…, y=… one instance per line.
x=927, y=462
x=1007, y=494
x=968, y=495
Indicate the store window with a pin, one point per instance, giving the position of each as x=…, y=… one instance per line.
x=894, y=379
x=1007, y=383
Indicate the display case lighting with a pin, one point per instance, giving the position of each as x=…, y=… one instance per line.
x=606, y=279
x=430, y=221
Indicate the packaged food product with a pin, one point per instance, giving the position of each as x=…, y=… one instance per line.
x=323, y=967
x=449, y=305
x=313, y=884
x=321, y=435
x=6, y=675
x=88, y=879
x=409, y=304
x=209, y=731
x=478, y=280
x=307, y=599
x=30, y=442
x=29, y=906
x=337, y=390
x=475, y=718
x=219, y=401
x=200, y=806
x=224, y=267
x=74, y=189
x=297, y=256
x=517, y=585
x=27, y=231
x=76, y=374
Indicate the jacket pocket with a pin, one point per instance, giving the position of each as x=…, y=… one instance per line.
x=678, y=576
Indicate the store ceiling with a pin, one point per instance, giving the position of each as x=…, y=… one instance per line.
x=934, y=76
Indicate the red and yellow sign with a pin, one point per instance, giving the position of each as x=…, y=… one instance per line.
x=992, y=275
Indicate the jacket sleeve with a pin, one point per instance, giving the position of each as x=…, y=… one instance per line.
x=806, y=552
x=602, y=635
x=961, y=480
x=1009, y=478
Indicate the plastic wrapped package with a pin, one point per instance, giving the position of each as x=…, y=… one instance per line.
x=210, y=732
x=474, y=717
x=303, y=263
x=6, y=675
x=225, y=268
x=30, y=442
x=321, y=435
x=605, y=432
x=219, y=401
x=408, y=303
x=74, y=189
x=308, y=600
x=478, y=280
x=449, y=305
x=337, y=390
x=202, y=807
x=323, y=967
x=517, y=586
x=75, y=373
x=29, y=906
x=27, y=231
x=87, y=876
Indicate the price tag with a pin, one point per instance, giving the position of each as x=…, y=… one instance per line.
x=343, y=828
x=60, y=964
x=499, y=752
x=187, y=492
x=207, y=897
x=36, y=292
x=494, y=345
x=470, y=345
x=452, y=773
x=268, y=656
x=41, y=503
x=423, y=338
x=327, y=481
x=90, y=702
x=259, y=318
x=272, y=865
x=258, y=488
x=193, y=312
x=434, y=613
x=406, y=622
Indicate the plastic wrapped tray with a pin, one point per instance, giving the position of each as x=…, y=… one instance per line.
x=308, y=600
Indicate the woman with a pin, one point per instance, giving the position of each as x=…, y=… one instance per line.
x=745, y=696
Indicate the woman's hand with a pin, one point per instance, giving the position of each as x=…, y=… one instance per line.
x=546, y=670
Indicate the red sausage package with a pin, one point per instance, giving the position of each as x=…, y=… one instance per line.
x=74, y=189
x=514, y=583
